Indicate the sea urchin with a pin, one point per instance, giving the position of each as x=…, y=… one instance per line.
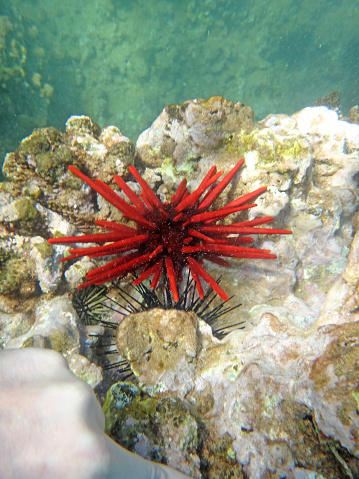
x=170, y=236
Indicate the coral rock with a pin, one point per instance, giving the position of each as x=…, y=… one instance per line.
x=160, y=346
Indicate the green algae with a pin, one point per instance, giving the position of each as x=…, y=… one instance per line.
x=218, y=458
x=128, y=415
x=34, y=191
x=58, y=341
x=41, y=141
x=123, y=399
x=5, y=255
x=12, y=53
x=50, y=156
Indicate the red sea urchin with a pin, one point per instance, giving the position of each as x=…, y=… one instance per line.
x=170, y=236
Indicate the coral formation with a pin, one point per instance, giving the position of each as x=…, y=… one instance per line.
x=147, y=425
x=39, y=167
x=354, y=114
x=276, y=399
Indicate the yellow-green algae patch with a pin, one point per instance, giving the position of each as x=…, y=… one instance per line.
x=45, y=249
x=40, y=141
x=16, y=274
x=58, y=341
x=27, y=211
x=50, y=165
x=124, y=400
x=124, y=397
x=270, y=150
x=185, y=169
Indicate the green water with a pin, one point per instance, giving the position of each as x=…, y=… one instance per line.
x=122, y=61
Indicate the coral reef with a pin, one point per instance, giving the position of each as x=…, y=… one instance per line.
x=12, y=53
x=149, y=425
x=276, y=399
x=354, y=114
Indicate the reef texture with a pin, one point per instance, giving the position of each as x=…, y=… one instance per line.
x=276, y=399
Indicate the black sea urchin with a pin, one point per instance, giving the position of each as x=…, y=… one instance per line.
x=170, y=236
x=92, y=304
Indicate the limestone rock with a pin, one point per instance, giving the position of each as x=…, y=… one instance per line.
x=85, y=370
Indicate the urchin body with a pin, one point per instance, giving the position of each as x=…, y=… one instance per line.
x=171, y=236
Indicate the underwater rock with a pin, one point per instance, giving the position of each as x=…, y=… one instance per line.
x=85, y=370
x=161, y=347
x=158, y=428
x=277, y=399
x=39, y=168
x=54, y=327
x=13, y=325
x=29, y=262
x=48, y=269
x=82, y=126
x=332, y=101
x=51, y=325
x=184, y=132
x=271, y=384
x=354, y=114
